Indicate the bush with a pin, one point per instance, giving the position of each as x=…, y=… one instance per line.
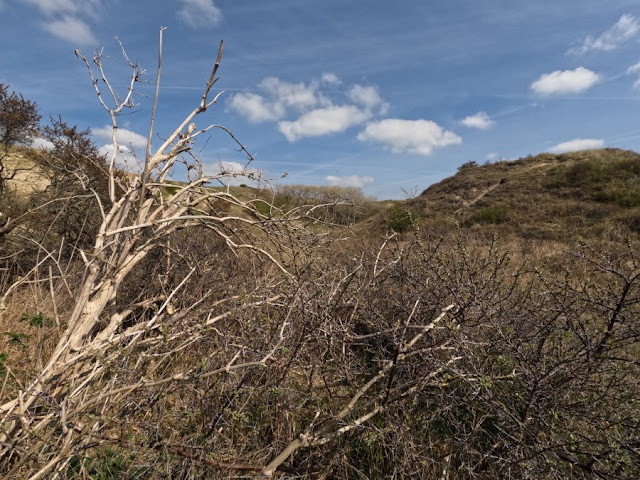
x=402, y=219
x=490, y=215
x=594, y=171
x=623, y=193
x=467, y=165
x=344, y=205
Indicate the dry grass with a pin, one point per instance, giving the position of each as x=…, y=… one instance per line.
x=345, y=316
x=547, y=198
x=30, y=326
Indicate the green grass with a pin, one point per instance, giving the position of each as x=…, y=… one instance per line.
x=546, y=198
x=490, y=215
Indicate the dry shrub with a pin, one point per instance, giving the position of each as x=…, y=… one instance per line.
x=200, y=337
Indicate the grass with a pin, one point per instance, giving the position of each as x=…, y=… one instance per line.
x=537, y=206
x=490, y=215
x=543, y=198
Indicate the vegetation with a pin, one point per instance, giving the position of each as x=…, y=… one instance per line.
x=469, y=164
x=341, y=206
x=157, y=329
x=548, y=198
x=19, y=119
x=402, y=219
x=492, y=215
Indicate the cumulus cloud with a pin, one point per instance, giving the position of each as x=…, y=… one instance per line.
x=40, y=142
x=565, y=81
x=228, y=168
x=125, y=158
x=330, y=79
x=480, y=120
x=323, y=121
x=577, y=144
x=199, y=13
x=295, y=95
x=67, y=19
x=365, y=96
x=125, y=138
x=72, y=29
x=75, y=7
x=128, y=144
x=256, y=108
x=635, y=69
x=409, y=136
x=279, y=97
x=625, y=29
x=232, y=173
x=349, y=181
x=304, y=110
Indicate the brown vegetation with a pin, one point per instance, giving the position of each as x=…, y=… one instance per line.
x=155, y=329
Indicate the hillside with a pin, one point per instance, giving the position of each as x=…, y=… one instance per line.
x=552, y=197
x=28, y=178
x=546, y=197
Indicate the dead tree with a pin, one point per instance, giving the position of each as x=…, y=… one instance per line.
x=143, y=210
x=113, y=357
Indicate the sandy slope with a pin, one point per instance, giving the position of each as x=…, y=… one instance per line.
x=28, y=178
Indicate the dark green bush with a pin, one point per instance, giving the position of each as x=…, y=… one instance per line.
x=37, y=320
x=467, y=165
x=622, y=193
x=490, y=215
x=593, y=171
x=402, y=219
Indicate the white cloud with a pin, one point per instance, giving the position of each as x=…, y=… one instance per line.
x=480, y=120
x=125, y=159
x=367, y=97
x=632, y=70
x=281, y=101
x=199, y=13
x=228, y=168
x=409, y=136
x=233, y=173
x=565, y=81
x=295, y=95
x=75, y=7
x=323, y=121
x=280, y=96
x=40, y=142
x=125, y=138
x=233, y=168
x=330, y=79
x=625, y=29
x=491, y=156
x=255, y=108
x=67, y=19
x=72, y=29
x=128, y=143
x=349, y=181
x=577, y=144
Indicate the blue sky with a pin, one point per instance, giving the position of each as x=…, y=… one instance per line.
x=388, y=96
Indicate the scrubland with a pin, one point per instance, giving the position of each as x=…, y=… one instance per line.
x=487, y=328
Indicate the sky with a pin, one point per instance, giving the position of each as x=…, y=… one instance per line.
x=387, y=96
